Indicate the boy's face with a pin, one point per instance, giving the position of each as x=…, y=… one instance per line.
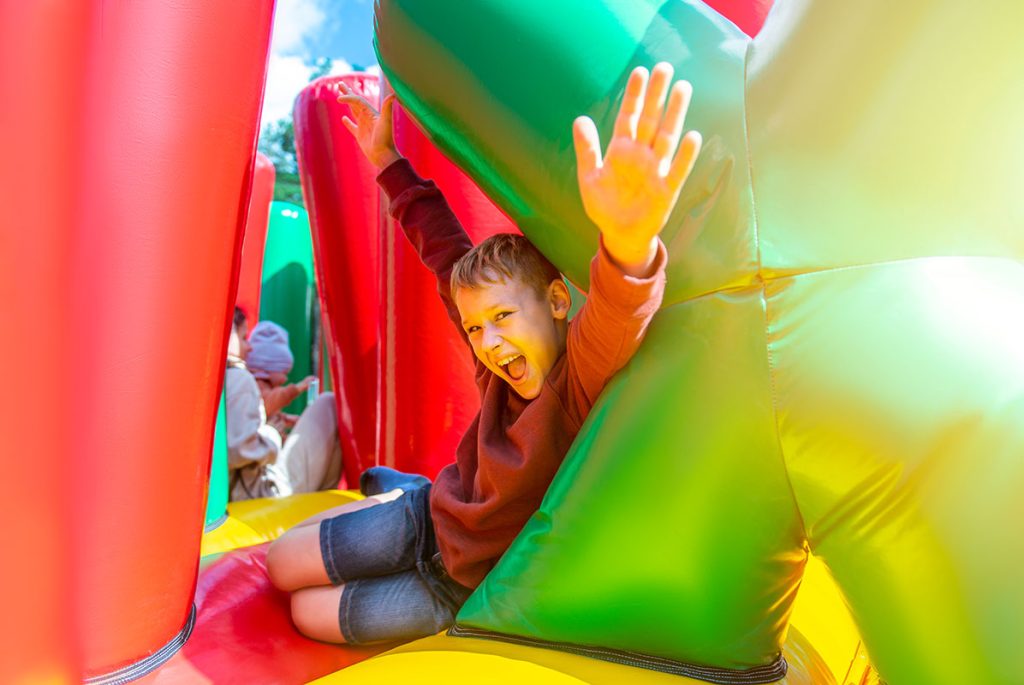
x=517, y=333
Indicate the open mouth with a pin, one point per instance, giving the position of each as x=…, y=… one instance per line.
x=514, y=367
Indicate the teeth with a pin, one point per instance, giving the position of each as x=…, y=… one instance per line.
x=508, y=360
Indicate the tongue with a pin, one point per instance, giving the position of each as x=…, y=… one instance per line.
x=517, y=368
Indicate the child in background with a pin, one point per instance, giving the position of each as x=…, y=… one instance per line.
x=399, y=565
x=264, y=458
x=270, y=361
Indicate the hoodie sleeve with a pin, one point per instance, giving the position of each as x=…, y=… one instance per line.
x=430, y=225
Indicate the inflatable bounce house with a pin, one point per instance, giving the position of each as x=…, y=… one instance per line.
x=811, y=472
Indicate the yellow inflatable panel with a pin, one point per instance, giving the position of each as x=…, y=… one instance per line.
x=823, y=647
x=823, y=616
x=443, y=660
x=256, y=521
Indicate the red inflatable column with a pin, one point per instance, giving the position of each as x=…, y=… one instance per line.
x=748, y=15
x=256, y=222
x=173, y=94
x=428, y=396
x=340, y=190
x=39, y=43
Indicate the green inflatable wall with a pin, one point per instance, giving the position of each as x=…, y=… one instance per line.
x=288, y=296
x=217, y=498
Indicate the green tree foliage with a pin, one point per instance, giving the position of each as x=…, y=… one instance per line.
x=277, y=141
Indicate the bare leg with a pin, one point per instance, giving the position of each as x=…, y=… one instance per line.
x=350, y=506
x=315, y=612
x=294, y=560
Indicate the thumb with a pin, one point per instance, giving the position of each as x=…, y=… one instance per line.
x=386, y=110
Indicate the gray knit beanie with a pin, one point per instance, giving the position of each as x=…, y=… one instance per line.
x=270, y=351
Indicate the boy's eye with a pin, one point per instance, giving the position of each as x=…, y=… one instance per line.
x=502, y=315
x=472, y=329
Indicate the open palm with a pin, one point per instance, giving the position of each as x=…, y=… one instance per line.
x=630, y=193
x=371, y=129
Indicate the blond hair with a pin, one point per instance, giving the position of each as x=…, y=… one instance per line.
x=504, y=255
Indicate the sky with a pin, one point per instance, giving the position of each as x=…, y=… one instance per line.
x=305, y=30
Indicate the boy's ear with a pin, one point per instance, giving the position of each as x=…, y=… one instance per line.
x=559, y=299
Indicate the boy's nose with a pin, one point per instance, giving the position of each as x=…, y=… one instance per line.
x=492, y=341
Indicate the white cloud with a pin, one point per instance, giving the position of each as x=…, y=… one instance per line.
x=287, y=74
x=293, y=20
x=286, y=77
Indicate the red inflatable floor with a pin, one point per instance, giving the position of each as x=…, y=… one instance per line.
x=243, y=633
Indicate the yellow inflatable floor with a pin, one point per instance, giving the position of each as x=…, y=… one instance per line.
x=256, y=521
x=443, y=660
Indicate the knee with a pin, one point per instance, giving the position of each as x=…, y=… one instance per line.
x=324, y=404
x=325, y=408
x=294, y=560
x=279, y=565
x=314, y=616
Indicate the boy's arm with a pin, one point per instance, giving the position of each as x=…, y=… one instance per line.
x=629, y=195
x=430, y=225
x=612, y=323
x=418, y=206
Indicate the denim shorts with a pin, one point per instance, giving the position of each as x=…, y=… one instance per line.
x=396, y=586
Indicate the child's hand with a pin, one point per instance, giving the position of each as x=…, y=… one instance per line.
x=630, y=194
x=372, y=129
x=279, y=422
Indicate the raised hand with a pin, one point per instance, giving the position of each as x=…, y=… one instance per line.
x=631, y=192
x=372, y=129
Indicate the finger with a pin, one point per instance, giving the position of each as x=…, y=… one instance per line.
x=654, y=103
x=355, y=101
x=346, y=91
x=629, y=110
x=386, y=110
x=587, y=142
x=350, y=125
x=671, y=129
x=682, y=165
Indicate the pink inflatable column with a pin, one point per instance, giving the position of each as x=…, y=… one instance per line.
x=39, y=42
x=428, y=396
x=255, y=239
x=341, y=195
x=172, y=99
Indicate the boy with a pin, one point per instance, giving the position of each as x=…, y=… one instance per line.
x=399, y=565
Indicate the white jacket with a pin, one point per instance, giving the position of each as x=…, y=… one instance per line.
x=253, y=445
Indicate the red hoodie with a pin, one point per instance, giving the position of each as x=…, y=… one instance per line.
x=513, y=447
